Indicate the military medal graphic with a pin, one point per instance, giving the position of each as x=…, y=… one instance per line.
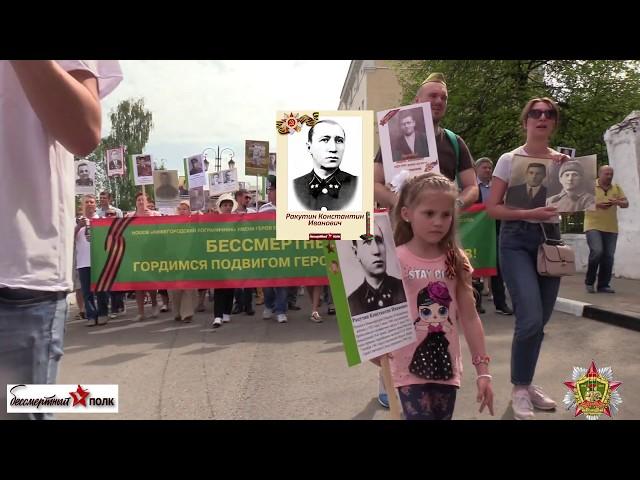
x=593, y=392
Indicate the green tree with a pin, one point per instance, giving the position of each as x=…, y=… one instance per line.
x=131, y=124
x=487, y=96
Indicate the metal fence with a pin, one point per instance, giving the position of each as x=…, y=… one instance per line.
x=572, y=222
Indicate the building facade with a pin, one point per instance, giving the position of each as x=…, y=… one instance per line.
x=370, y=85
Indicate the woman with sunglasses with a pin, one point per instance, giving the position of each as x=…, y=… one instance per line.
x=533, y=296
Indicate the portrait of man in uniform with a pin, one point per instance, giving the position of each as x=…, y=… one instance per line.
x=196, y=198
x=115, y=159
x=325, y=187
x=143, y=164
x=84, y=175
x=574, y=196
x=165, y=185
x=196, y=165
x=378, y=289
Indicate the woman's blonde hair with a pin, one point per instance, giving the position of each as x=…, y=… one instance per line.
x=409, y=197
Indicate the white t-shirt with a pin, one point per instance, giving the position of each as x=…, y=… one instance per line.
x=37, y=185
x=249, y=210
x=267, y=207
x=83, y=248
x=503, y=172
x=503, y=167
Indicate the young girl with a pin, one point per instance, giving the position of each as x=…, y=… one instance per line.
x=437, y=278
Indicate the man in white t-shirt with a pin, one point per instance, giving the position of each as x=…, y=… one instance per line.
x=51, y=112
x=96, y=312
x=243, y=297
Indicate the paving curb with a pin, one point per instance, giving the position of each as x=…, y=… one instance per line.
x=621, y=319
x=601, y=314
x=572, y=307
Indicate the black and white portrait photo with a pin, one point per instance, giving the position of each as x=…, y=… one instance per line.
x=85, y=177
x=407, y=141
x=196, y=198
x=370, y=270
x=539, y=182
x=115, y=162
x=272, y=163
x=196, y=170
x=143, y=170
x=567, y=151
x=223, y=181
x=409, y=137
x=325, y=166
x=256, y=157
x=576, y=179
x=528, y=185
x=165, y=184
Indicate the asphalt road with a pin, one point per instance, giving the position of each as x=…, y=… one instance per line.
x=258, y=369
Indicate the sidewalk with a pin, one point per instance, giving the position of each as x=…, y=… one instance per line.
x=621, y=308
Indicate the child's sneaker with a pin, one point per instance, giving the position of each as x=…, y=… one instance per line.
x=217, y=322
x=282, y=318
x=383, y=399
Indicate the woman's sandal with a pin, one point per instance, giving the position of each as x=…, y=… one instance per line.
x=315, y=317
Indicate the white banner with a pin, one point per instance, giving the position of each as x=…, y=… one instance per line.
x=37, y=398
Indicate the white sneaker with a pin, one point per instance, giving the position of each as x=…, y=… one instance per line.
x=226, y=318
x=113, y=315
x=154, y=311
x=521, y=405
x=139, y=318
x=282, y=318
x=267, y=313
x=540, y=399
x=217, y=322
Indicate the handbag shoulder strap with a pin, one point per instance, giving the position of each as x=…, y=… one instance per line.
x=543, y=232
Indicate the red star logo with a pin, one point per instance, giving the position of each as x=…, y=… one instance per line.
x=79, y=396
x=593, y=373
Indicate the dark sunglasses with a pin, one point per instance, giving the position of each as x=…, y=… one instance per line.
x=536, y=114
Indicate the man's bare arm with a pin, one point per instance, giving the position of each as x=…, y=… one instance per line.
x=67, y=104
x=469, y=194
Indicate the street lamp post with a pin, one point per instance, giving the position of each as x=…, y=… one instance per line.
x=218, y=158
